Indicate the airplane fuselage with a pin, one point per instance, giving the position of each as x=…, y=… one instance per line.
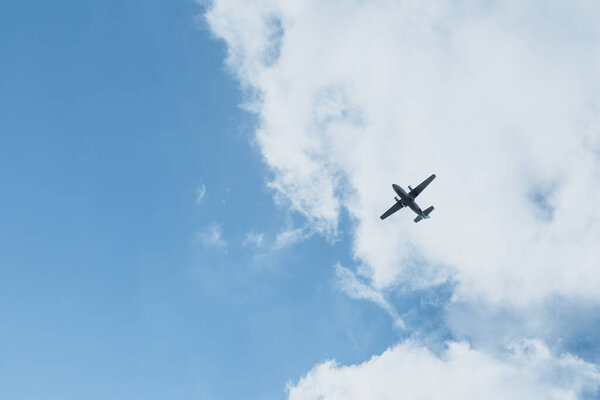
x=408, y=201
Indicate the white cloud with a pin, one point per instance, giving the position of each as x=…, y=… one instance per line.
x=212, y=236
x=500, y=100
x=200, y=193
x=410, y=371
x=290, y=236
x=254, y=239
x=356, y=289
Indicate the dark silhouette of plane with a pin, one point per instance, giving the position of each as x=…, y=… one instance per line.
x=408, y=200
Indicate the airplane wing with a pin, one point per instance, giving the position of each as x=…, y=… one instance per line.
x=416, y=191
x=392, y=210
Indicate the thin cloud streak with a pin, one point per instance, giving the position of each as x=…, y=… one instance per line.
x=353, y=287
x=200, y=193
x=254, y=239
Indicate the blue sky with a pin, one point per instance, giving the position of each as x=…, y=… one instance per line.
x=113, y=116
x=191, y=196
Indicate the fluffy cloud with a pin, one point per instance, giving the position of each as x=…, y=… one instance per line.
x=409, y=371
x=499, y=99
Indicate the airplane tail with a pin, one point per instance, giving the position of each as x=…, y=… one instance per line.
x=426, y=213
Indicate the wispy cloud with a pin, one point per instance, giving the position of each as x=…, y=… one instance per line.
x=200, y=193
x=353, y=287
x=212, y=236
x=254, y=239
x=290, y=237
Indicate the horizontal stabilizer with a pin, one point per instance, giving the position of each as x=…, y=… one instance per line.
x=425, y=213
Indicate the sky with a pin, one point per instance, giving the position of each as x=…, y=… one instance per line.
x=191, y=195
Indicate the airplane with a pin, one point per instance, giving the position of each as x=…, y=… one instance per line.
x=408, y=200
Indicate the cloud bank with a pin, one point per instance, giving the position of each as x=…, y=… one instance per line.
x=499, y=99
x=409, y=371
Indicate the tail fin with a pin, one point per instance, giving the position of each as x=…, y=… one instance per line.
x=418, y=218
